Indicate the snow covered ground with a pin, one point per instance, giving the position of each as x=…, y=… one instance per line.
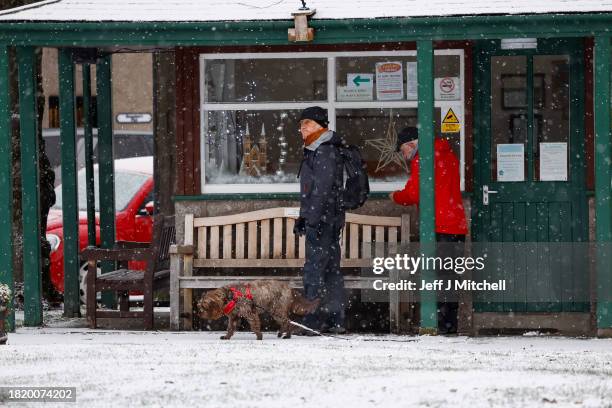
x=132, y=368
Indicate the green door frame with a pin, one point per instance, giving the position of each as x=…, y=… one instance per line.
x=603, y=177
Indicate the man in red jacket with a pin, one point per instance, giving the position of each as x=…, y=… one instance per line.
x=451, y=225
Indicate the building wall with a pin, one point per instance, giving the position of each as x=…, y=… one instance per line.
x=132, y=85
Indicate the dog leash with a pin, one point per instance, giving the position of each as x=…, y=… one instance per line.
x=332, y=336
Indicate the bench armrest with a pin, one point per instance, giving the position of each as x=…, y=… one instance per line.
x=181, y=249
x=116, y=254
x=132, y=245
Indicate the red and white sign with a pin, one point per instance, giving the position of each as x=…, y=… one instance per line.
x=389, y=81
x=447, y=89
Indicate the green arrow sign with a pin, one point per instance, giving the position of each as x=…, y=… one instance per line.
x=358, y=80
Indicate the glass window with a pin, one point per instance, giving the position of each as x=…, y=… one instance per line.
x=551, y=117
x=509, y=118
x=252, y=146
x=374, y=131
x=251, y=106
x=127, y=185
x=357, y=73
x=265, y=80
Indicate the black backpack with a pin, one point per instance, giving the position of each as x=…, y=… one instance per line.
x=357, y=186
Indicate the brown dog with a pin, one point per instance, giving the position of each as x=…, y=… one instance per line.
x=249, y=300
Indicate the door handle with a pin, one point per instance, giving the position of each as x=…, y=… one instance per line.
x=485, y=194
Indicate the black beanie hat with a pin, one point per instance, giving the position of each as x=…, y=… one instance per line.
x=317, y=114
x=406, y=135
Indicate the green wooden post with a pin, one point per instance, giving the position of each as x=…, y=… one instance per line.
x=70, y=206
x=30, y=187
x=106, y=166
x=6, y=182
x=603, y=190
x=425, y=60
x=89, y=150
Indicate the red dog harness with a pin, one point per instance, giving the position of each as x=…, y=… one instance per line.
x=234, y=297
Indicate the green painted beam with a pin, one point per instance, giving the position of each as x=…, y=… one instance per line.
x=425, y=62
x=70, y=206
x=603, y=173
x=106, y=167
x=6, y=182
x=26, y=61
x=169, y=34
x=89, y=151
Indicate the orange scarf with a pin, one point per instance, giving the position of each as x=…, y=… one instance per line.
x=314, y=136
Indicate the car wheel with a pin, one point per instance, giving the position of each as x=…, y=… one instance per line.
x=83, y=270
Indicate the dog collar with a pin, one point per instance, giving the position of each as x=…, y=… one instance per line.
x=234, y=296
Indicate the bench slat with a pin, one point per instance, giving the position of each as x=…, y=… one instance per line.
x=240, y=241
x=265, y=239
x=202, y=243
x=277, y=244
x=272, y=263
x=227, y=241
x=392, y=240
x=379, y=237
x=343, y=233
x=252, y=243
x=354, y=241
x=290, y=239
x=211, y=282
x=214, y=242
x=373, y=220
x=302, y=249
x=366, y=241
x=258, y=215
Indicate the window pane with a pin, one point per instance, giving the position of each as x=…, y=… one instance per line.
x=265, y=80
x=252, y=147
x=509, y=118
x=356, y=78
x=126, y=186
x=551, y=117
x=375, y=132
x=360, y=73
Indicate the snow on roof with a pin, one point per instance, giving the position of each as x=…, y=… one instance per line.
x=247, y=10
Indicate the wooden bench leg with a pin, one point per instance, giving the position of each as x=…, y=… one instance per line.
x=188, y=294
x=148, y=302
x=91, y=294
x=124, y=301
x=188, y=308
x=394, y=304
x=175, y=268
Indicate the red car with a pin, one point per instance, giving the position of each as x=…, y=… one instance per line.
x=134, y=207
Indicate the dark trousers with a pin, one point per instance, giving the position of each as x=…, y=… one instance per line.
x=322, y=276
x=450, y=245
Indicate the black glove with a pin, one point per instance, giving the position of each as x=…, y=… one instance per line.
x=300, y=226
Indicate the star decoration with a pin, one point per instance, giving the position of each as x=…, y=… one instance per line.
x=386, y=147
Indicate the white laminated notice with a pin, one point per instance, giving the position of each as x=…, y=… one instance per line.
x=553, y=161
x=412, y=82
x=511, y=162
x=389, y=81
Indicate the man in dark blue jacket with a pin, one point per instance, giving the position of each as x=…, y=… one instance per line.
x=321, y=220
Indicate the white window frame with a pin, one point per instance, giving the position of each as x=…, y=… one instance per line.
x=330, y=104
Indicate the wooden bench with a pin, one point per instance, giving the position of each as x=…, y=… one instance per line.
x=264, y=239
x=123, y=280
